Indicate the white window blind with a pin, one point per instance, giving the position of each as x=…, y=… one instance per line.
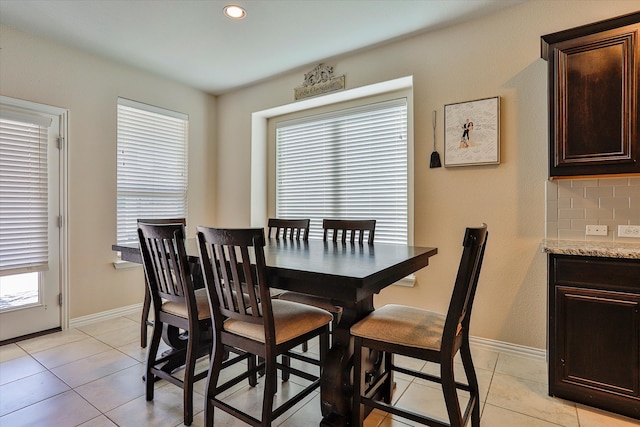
x=346, y=164
x=152, y=165
x=24, y=244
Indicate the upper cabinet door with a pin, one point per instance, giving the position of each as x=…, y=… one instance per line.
x=594, y=76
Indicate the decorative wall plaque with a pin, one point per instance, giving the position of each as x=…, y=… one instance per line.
x=318, y=81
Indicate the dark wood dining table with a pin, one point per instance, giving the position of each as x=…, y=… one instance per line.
x=349, y=274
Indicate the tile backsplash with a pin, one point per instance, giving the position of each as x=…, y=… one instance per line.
x=572, y=204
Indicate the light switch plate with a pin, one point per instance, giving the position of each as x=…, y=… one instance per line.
x=597, y=230
x=629, y=231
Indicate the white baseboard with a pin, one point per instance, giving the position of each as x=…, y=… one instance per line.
x=105, y=315
x=505, y=347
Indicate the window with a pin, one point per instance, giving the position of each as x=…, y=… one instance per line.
x=152, y=165
x=350, y=163
x=24, y=203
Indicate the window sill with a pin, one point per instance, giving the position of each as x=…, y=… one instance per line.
x=121, y=265
x=407, y=282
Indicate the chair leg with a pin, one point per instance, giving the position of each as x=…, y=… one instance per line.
x=450, y=394
x=472, y=379
x=189, y=370
x=144, y=321
x=152, y=354
x=358, y=379
x=270, y=388
x=251, y=364
x=215, y=365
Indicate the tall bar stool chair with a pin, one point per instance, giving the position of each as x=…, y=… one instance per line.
x=146, y=305
x=426, y=335
x=248, y=322
x=291, y=229
x=335, y=230
x=176, y=306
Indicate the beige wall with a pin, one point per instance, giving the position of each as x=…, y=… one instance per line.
x=37, y=70
x=497, y=55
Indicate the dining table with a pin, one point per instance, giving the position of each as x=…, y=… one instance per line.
x=350, y=274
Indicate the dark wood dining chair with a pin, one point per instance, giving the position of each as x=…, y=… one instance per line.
x=335, y=230
x=247, y=321
x=177, y=306
x=292, y=229
x=426, y=335
x=146, y=304
x=349, y=228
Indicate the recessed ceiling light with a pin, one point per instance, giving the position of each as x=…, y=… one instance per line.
x=234, y=12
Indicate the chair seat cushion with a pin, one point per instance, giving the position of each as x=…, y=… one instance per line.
x=402, y=325
x=179, y=309
x=290, y=318
x=323, y=303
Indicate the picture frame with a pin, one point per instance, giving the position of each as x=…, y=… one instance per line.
x=472, y=133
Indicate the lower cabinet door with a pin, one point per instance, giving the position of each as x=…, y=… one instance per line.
x=596, y=360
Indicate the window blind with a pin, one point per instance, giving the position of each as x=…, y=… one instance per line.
x=24, y=239
x=152, y=166
x=346, y=164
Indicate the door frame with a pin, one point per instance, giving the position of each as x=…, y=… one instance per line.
x=63, y=174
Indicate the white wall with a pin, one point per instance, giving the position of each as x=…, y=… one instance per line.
x=498, y=55
x=38, y=70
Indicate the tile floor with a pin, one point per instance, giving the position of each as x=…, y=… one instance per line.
x=91, y=376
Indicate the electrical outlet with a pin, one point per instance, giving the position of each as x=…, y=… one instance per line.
x=597, y=230
x=629, y=231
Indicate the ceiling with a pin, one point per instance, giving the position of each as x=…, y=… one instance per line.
x=192, y=42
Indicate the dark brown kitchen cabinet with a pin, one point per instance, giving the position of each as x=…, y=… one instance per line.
x=594, y=332
x=594, y=100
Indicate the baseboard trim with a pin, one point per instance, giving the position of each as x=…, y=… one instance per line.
x=104, y=315
x=505, y=347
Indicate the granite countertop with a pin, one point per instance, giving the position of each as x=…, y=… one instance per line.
x=592, y=248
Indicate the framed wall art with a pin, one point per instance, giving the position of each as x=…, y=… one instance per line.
x=472, y=133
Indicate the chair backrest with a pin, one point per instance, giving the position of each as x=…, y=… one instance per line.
x=352, y=227
x=291, y=228
x=235, y=275
x=182, y=221
x=166, y=265
x=464, y=290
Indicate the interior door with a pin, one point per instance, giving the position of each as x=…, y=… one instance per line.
x=30, y=300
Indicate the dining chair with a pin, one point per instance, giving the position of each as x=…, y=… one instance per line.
x=177, y=307
x=426, y=335
x=146, y=304
x=349, y=227
x=333, y=229
x=292, y=229
x=247, y=320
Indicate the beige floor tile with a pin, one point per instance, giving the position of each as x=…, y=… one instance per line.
x=93, y=367
x=482, y=358
x=45, y=342
x=592, y=417
x=11, y=351
x=122, y=336
x=110, y=325
x=100, y=421
x=109, y=392
x=20, y=367
x=29, y=390
x=62, y=410
x=494, y=416
x=389, y=421
x=530, y=398
x=522, y=367
x=165, y=410
x=134, y=350
x=70, y=352
x=375, y=418
x=306, y=413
